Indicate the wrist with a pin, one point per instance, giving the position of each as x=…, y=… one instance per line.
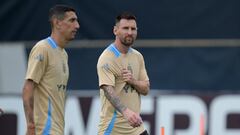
x=133, y=82
x=31, y=126
x=124, y=111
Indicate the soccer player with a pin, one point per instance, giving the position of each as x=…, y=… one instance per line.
x=122, y=81
x=47, y=75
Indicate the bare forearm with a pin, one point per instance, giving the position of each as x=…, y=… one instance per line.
x=141, y=86
x=28, y=101
x=28, y=108
x=113, y=98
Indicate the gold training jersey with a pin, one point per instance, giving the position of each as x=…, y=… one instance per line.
x=48, y=67
x=109, y=67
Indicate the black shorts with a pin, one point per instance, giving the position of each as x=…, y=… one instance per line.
x=144, y=133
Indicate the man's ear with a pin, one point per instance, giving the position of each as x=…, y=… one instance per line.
x=115, y=30
x=56, y=23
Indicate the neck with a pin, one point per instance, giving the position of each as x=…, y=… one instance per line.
x=122, y=48
x=61, y=42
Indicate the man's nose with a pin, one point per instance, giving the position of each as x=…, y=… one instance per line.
x=77, y=25
x=130, y=31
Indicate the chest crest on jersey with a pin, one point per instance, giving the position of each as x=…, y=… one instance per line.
x=129, y=67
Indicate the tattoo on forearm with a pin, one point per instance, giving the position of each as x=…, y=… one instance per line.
x=113, y=98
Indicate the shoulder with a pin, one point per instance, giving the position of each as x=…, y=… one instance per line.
x=136, y=52
x=107, y=56
x=65, y=53
x=41, y=45
x=109, y=53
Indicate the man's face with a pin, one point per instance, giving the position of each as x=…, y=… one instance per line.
x=69, y=25
x=126, y=31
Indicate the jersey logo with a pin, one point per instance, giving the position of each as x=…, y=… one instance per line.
x=39, y=57
x=128, y=88
x=106, y=67
x=130, y=68
x=61, y=87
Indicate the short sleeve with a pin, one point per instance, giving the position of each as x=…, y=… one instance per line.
x=143, y=72
x=105, y=73
x=37, y=63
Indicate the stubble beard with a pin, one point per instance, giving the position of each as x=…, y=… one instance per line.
x=72, y=37
x=128, y=42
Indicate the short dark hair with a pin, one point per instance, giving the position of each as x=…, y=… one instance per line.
x=125, y=15
x=58, y=11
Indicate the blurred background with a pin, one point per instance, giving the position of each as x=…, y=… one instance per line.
x=191, y=50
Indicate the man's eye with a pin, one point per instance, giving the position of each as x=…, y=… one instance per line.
x=73, y=19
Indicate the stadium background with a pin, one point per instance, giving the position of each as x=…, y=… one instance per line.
x=191, y=48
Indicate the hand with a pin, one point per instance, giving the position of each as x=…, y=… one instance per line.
x=127, y=76
x=133, y=118
x=30, y=129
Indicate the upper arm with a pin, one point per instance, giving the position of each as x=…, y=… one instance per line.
x=37, y=63
x=143, y=71
x=28, y=85
x=106, y=87
x=105, y=72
